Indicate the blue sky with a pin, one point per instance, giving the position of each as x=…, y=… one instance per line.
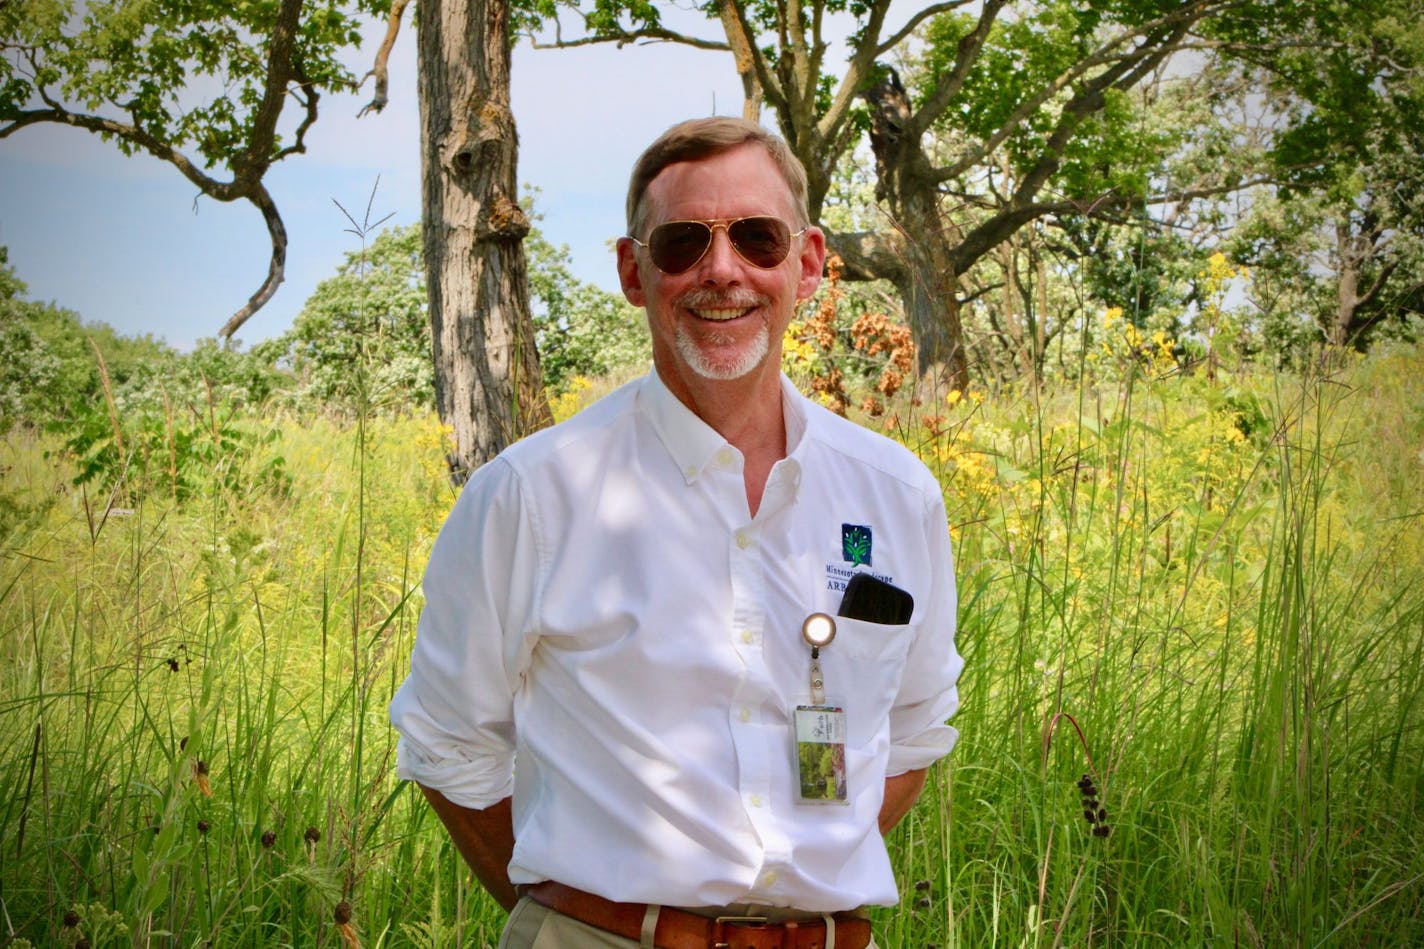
x=123, y=240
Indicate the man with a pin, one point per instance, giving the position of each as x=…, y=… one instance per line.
x=611, y=704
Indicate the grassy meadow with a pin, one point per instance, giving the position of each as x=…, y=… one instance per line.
x=1192, y=614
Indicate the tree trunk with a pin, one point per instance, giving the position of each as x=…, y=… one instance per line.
x=929, y=283
x=487, y=381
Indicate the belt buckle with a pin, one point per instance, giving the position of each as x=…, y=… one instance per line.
x=747, y=921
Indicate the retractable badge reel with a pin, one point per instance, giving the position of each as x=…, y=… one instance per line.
x=820, y=726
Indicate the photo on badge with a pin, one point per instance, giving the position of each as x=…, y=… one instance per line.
x=820, y=754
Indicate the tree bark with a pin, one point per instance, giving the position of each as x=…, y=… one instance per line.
x=487, y=382
x=928, y=282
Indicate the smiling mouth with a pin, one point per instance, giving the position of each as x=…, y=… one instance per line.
x=720, y=315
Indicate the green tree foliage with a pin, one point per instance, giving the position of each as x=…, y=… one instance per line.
x=1040, y=114
x=200, y=84
x=133, y=414
x=49, y=370
x=580, y=329
x=1344, y=231
x=363, y=337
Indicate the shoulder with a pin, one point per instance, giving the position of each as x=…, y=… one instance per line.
x=841, y=442
x=582, y=435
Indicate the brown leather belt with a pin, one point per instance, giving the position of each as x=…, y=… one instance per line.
x=679, y=929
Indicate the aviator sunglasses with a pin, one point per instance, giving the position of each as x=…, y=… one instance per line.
x=677, y=246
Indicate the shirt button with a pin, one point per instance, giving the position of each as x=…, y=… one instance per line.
x=745, y=714
x=724, y=457
x=747, y=636
x=769, y=878
x=690, y=471
x=755, y=800
x=743, y=541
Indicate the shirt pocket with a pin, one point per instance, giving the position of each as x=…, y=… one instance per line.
x=863, y=667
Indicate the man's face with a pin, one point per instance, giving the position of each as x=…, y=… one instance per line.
x=724, y=317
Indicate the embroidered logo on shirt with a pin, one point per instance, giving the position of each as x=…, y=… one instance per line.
x=855, y=544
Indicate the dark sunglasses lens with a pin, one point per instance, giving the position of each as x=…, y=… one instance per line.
x=677, y=246
x=763, y=241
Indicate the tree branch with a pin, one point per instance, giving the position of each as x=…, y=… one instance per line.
x=380, y=69
x=1106, y=54
x=746, y=57
x=313, y=97
x=221, y=190
x=868, y=255
x=933, y=9
x=275, y=269
x=622, y=37
x=949, y=85
x=252, y=163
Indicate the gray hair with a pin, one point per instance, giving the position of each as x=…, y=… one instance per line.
x=696, y=139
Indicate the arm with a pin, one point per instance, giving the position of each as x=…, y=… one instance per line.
x=901, y=793
x=484, y=838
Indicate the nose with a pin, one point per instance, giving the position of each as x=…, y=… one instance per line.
x=721, y=264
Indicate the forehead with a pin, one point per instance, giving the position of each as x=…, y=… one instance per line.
x=738, y=182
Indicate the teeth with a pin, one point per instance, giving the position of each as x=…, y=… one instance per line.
x=719, y=315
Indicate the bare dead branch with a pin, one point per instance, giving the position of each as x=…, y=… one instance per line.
x=381, y=68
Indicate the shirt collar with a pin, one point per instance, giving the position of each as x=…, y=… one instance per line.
x=692, y=443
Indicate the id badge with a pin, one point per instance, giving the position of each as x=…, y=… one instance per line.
x=820, y=754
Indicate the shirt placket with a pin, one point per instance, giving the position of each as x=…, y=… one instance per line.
x=756, y=738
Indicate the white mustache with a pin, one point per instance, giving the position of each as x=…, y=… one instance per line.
x=705, y=298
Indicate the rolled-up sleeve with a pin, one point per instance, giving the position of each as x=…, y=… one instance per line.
x=454, y=712
x=928, y=696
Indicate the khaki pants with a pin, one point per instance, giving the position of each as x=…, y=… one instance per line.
x=532, y=926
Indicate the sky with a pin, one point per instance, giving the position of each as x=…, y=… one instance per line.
x=130, y=242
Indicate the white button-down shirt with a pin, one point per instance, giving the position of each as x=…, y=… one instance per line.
x=610, y=637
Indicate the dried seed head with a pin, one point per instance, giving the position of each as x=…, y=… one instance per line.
x=923, y=902
x=269, y=837
x=172, y=665
x=82, y=943
x=1101, y=830
x=1089, y=816
x=922, y=885
x=342, y=913
x=202, y=827
x=312, y=835
x=201, y=766
x=71, y=919
x=1102, y=813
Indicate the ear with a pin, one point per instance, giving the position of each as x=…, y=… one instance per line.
x=629, y=275
x=813, y=263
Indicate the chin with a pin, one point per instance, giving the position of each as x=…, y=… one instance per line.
x=723, y=366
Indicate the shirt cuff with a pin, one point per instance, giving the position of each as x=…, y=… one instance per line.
x=473, y=784
x=918, y=753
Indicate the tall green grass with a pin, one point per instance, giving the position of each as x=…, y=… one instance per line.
x=1204, y=595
